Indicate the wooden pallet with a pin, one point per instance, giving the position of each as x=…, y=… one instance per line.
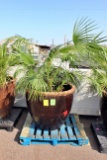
x=100, y=134
x=8, y=123
x=71, y=132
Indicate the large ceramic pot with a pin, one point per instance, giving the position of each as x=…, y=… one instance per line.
x=53, y=110
x=7, y=96
x=104, y=108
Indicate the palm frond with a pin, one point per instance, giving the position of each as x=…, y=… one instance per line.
x=82, y=30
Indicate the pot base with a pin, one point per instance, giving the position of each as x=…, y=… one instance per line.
x=49, y=122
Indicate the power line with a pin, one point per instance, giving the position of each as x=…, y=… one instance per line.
x=88, y=9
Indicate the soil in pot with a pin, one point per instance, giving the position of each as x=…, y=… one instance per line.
x=7, y=97
x=53, y=110
x=104, y=109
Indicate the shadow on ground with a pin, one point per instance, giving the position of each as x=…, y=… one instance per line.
x=20, y=123
x=87, y=121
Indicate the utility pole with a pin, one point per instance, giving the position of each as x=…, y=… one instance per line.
x=65, y=39
x=52, y=45
x=52, y=41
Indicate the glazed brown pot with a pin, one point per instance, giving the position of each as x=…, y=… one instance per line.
x=7, y=96
x=104, y=108
x=53, y=110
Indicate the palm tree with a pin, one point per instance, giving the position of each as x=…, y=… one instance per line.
x=84, y=45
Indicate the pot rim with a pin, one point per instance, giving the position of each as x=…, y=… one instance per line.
x=105, y=93
x=63, y=93
x=13, y=81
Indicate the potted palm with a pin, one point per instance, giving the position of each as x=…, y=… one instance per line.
x=49, y=88
x=98, y=80
x=7, y=83
x=8, y=59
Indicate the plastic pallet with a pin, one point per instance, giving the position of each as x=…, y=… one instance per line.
x=71, y=132
x=8, y=123
x=100, y=134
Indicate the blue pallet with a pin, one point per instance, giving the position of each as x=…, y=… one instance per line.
x=71, y=132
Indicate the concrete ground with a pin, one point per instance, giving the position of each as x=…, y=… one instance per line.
x=10, y=149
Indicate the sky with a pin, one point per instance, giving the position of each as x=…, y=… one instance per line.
x=48, y=21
